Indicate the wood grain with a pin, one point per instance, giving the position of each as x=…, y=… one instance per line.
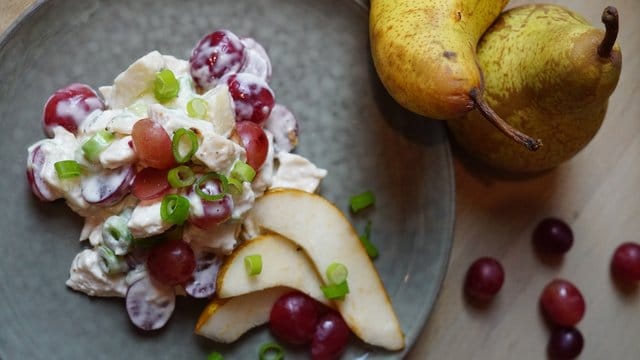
x=596, y=192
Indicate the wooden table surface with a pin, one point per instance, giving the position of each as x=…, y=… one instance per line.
x=597, y=193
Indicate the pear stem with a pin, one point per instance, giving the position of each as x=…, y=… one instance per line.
x=530, y=143
x=610, y=20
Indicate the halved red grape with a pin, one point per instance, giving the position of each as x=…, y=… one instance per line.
x=625, y=264
x=69, y=107
x=149, y=304
x=562, y=303
x=203, y=283
x=35, y=162
x=565, y=343
x=150, y=183
x=108, y=186
x=171, y=262
x=204, y=213
x=215, y=55
x=330, y=338
x=293, y=318
x=553, y=235
x=284, y=127
x=252, y=97
x=255, y=141
x=484, y=279
x=152, y=144
x=256, y=59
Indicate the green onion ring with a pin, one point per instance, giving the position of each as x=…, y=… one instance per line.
x=96, y=145
x=337, y=273
x=175, y=145
x=243, y=171
x=67, y=169
x=165, y=86
x=174, y=209
x=111, y=263
x=224, y=184
x=337, y=291
x=361, y=201
x=365, y=239
x=253, y=264
x=180, y=177
x=236, y=186
x=197, y=108
x=276, y=351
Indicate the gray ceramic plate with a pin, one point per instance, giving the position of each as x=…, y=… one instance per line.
x=349, y=125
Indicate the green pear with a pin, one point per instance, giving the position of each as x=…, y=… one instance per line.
x=547, y=72
x=424, y=52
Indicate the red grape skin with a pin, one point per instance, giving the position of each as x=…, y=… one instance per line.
x=484, y=279
x=255, y=141
x=252, y=97
x=214, y=212
x=625, y=263
x=152, y=144
x=69, y=107
x=331, y=337
x=215, y=55
x=171, y=262
x=565, y=343
x=562, y=303
x=553, y=235
x=293, y=318
x=150, y=183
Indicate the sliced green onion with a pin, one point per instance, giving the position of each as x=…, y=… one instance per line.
x=67, y=169
x=271, y=351
x=177, y=141
x=111, y=263
x=224, y=184
x=215, y=356
x=174, y=209
x=336, y=291
x=361, y=201
x=243, y=171
x=181, y=176
x=337, y=273
x=96, y=144
x=236, y=186
x=365, y=238
x=116, y=235
x=197, y=108
x=165, y=86
x=253, y=264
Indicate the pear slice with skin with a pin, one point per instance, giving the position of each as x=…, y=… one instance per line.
x=225, y=320
x=283, y=264
x=327, y=236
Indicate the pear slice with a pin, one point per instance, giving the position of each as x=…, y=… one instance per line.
x=327, y=236
x=283, y=264
x=225, y=320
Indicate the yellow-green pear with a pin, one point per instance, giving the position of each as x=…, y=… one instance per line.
x=547, y=72
x=424, y=52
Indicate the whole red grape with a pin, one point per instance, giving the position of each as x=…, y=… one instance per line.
x=69, y=107
x=484, y=279
x=553, y=235
x=171, y=262
x=625, y=264
x=293, y=318
x=562, y=303
x=331, y=337
x=565, y=343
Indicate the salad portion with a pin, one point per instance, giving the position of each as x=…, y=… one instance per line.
x=184, y=173
x=176, y=150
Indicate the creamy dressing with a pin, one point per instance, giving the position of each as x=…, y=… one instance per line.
x=87, y=276
x=296, y=172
